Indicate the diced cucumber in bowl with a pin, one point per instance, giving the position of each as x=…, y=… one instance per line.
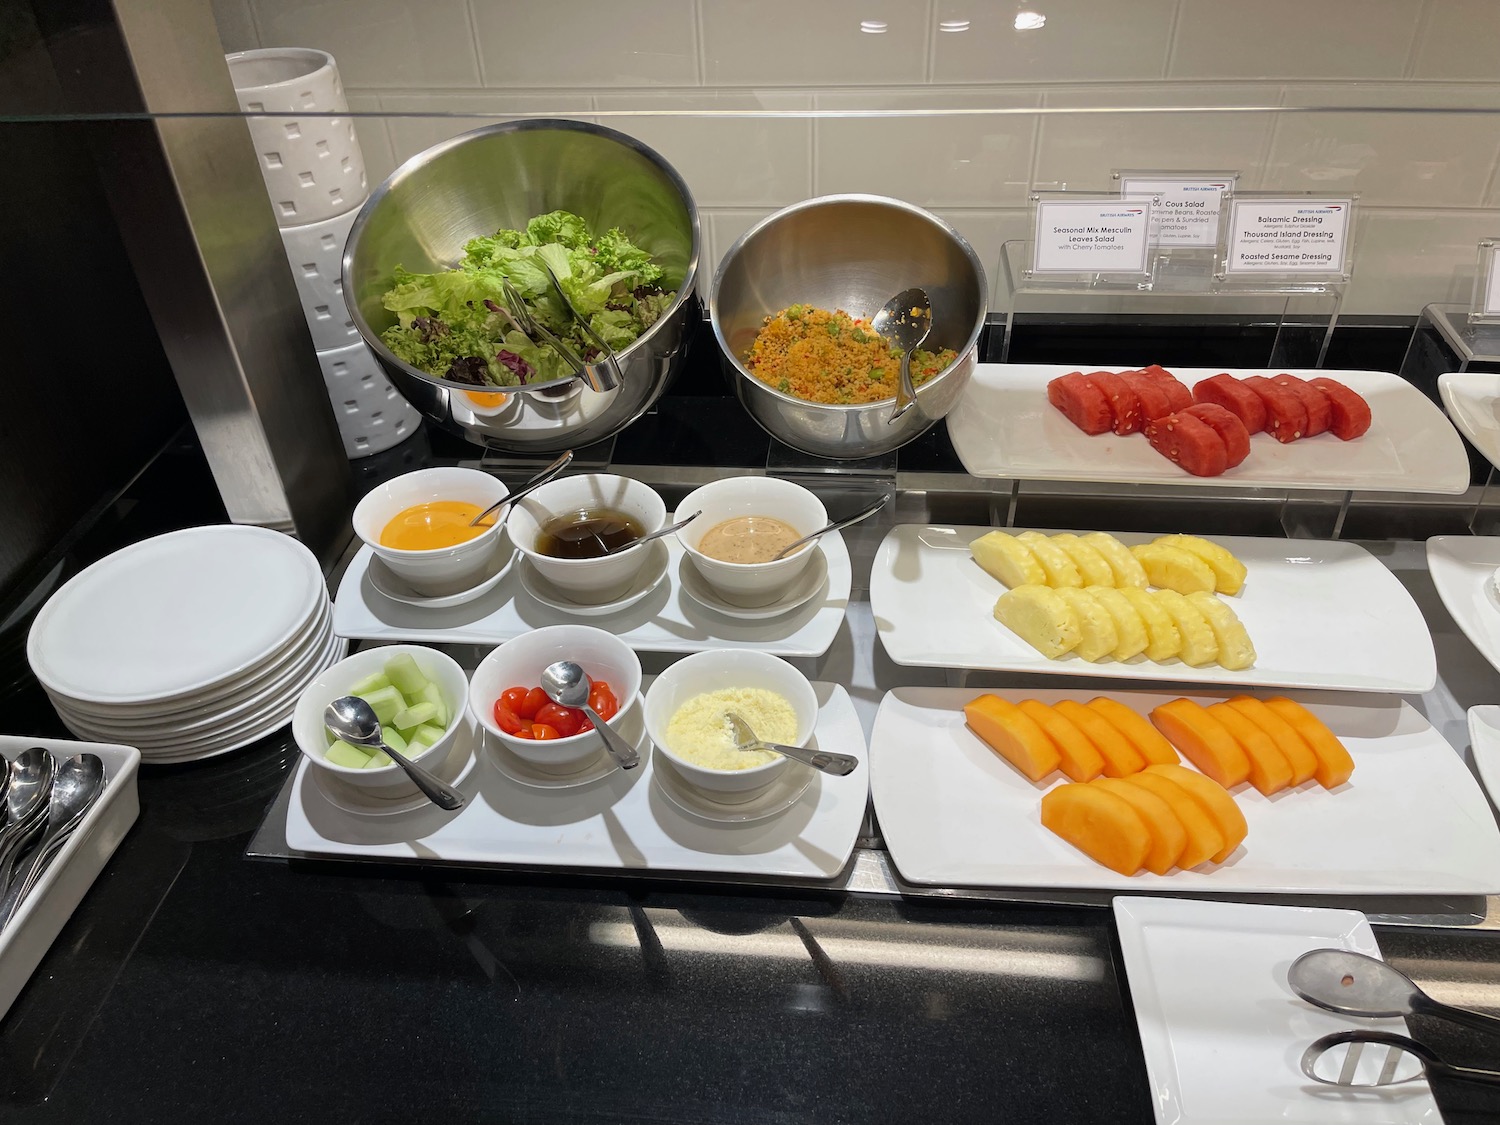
x=411, y=709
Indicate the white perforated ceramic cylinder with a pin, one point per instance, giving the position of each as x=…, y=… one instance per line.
x=316, y=253
x=371, y=413
x=308, y=152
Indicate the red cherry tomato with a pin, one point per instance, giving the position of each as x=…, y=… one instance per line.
x=564, y=720
x=506, y=719
x=541, y=732
x=514, y=699
x=602, y=699
x=536, y=699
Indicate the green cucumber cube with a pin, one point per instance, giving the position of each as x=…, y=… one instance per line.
x=434, y=695
x=411, y=750
x=386, y=702
x=378, y=759
x=424, y=736
x=392, y=738
x=343, y=754
x=415, y=716
x=370, y=683
x=405, y=675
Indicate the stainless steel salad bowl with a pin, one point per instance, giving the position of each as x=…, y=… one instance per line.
x=500, y=176
x=850, y=252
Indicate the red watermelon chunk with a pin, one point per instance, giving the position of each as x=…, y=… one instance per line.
x=1229, y=428
x=1123, y=401
x=1082, y=402
x=1314, y=401
x=1286, y=417
x=1190, y=443
x=1177, y=392
x=1154, y=400
x=1350, y=411
x=1227, y=391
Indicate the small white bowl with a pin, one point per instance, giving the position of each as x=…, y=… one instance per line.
x=443, y=570
x=588, y=581
x=519, y=663
x=716, y=670
x=750, y=584
x=312, y=736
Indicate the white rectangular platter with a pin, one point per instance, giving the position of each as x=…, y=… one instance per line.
x=1222, y=1031
x=1463, y=572
x=621, y=822
x=61, y=888
x=1320, y=614
x=1412, y=819
x=666, y=620
x=1473, y=402
x=1005, y=427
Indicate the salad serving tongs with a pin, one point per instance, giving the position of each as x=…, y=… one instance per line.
x=614, y=376
x=539, y=333
x=1405, y=1060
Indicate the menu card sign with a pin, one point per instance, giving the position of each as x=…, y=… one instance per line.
x=1294, y=235
x=1104, y=235
x=1187, y=210
x=1486, y=307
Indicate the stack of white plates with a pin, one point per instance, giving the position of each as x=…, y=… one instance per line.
x=188, y=645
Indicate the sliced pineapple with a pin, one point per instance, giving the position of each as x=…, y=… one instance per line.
x=1235, y=649
x=1096, y=628
x=1199, y=646
x=1127, y=570
x=1041, y=618
x=1163, y=640
x=1059, y=566
x=1090, y=563
x=1229, y=572
x=1172, y=568
x=1005, y=557
x=1131, y=637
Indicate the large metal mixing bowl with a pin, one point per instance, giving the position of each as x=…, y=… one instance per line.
x=501, y=176
x=850, y=252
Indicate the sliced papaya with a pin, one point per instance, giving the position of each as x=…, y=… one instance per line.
x=1299, y=754
x=1106, y=828
x=1270, y=772
x=1008, y=731
x=1215, y=800
x=1334, y=762
x=1205, y=839
x=1134, y=726
x=1121, y=759
x=1203, y=740
x=1077, y=755
x=1168, y=836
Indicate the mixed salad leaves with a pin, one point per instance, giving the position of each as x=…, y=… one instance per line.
x=455, y=324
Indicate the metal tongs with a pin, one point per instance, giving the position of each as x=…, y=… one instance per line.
x=601, y=380
x=593, y=376
x=1352, y=984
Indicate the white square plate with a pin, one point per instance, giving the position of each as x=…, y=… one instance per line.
x=1462, y=569
x=1005, y=427
x=1473, y=402
x=1222, y=1031
x=1412, y=819
x=1321, y=615
x=620, y=822
x=666, y=620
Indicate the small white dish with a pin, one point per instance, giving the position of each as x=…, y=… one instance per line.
x=1222, y=1031
x=391, y=585
x=632, y=728
x=738, y=497
x=774, y=800
x=454, y=769
x=437, y=571
x=648, y=579
x=1462, y=568
x=809, y=584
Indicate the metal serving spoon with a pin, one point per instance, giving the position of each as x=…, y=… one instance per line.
x=1352, y=984
x=905, y=321
x=568, y=684
x=862, y=514
x=535, y=482
x=353, y=720
x=77, y=785
x=654, y=535
x=26, y=799
x=1405, y=1061
x=745, y=739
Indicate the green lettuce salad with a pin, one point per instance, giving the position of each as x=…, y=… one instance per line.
x=455, y=324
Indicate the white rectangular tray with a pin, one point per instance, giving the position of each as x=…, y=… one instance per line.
x=1222, y=1031
x=41, y=917
x=619, y=823
x=1320, y=614
x=667, y=620
x=1412, y=819
x=1463, y=570
x=1005, y=427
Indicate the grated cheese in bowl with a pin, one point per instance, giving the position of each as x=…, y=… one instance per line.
x=699, y=730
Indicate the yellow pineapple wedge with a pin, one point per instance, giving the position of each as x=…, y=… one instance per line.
x=1060, y=568
x=1040, y=617
x=1163, y=639
x=1006, y=558
x=1229, y=572
x=1131, y=637
x=1199, y=645
x=1235, y=650
x=1090, y=563
x=1096, y=628
x=1127, y=570
x=1172, y=568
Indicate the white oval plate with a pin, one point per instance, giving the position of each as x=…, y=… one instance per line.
x=654, y=570
x=809, y=584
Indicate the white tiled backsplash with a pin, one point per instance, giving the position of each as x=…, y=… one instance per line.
x=984, y=107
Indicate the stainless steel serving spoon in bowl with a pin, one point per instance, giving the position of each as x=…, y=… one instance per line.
x=657, y=534
x=905, y=321
x=862, y=514
x=1352, y=984
x=745, y=738
x=349, y=717
x=567, y=684
x=535, y=482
